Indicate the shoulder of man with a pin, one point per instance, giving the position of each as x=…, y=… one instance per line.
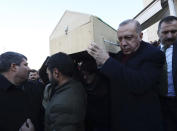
x=76, y=83
x=153, y=53
x=33, y=87
x=151, y=50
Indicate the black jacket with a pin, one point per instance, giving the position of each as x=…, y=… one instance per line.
x=97, y=115
x=174, y=65
x=163, y=81
x=19, y=103
x=134, y=97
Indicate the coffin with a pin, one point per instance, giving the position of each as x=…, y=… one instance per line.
x=75, y=31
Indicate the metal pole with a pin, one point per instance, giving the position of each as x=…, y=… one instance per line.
x=171, y=7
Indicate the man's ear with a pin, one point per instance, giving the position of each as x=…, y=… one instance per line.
x=13, y=67
x=56, y=72
x=141, y=35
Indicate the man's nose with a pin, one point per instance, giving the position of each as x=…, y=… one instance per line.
x=169, y=35
x=28, y=68
x=124, y=42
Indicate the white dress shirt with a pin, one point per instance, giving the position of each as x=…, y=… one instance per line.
x=169, y=54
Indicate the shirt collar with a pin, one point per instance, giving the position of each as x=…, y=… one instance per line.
x=161, y=46
x=5, y=84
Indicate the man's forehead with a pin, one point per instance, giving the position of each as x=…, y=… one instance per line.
x=33, y=72
x=128, y=25
x=169, y=24
x=126, y=32
x=127, y=28
x=24, y=61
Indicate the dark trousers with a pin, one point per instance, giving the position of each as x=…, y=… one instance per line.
x=169, y=113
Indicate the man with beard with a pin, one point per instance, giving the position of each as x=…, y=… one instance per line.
x=66, y=108
x=33, y=75
x=19, y=99
x=167, y=32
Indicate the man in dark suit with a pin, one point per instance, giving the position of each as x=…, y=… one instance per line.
x=167, y=32
x=133, y=76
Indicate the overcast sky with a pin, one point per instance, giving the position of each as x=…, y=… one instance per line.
x=26, y=25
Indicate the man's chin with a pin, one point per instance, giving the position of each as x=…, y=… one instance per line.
x=54, y=84
x=126, y=52
x=168, y=43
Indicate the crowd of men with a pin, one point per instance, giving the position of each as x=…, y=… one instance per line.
x=134, y=89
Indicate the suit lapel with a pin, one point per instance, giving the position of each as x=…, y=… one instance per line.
x=174, y=59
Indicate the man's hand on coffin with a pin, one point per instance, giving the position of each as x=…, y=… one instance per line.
x=98, y=53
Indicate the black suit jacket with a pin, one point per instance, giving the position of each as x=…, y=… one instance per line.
x=133, y=93
x=174, y=65
x=163, y=81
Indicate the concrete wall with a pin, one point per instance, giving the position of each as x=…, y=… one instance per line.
x=175, y=1
x=146, y=2
x=150, y=34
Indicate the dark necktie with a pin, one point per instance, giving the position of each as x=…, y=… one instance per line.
x=164, y=77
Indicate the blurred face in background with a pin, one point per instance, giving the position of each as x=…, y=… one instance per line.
x=88, y=77
x=33, y=75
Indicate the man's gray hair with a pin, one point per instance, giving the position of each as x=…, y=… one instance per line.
x=8, y=58
x=137, y=24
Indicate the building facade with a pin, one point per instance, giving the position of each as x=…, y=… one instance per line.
x=153, y=12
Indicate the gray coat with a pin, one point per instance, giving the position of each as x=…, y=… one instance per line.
x=66, y=110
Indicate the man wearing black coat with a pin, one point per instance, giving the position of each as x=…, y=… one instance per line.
x=133, y=76
x=19, y=99
x=96, y=85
